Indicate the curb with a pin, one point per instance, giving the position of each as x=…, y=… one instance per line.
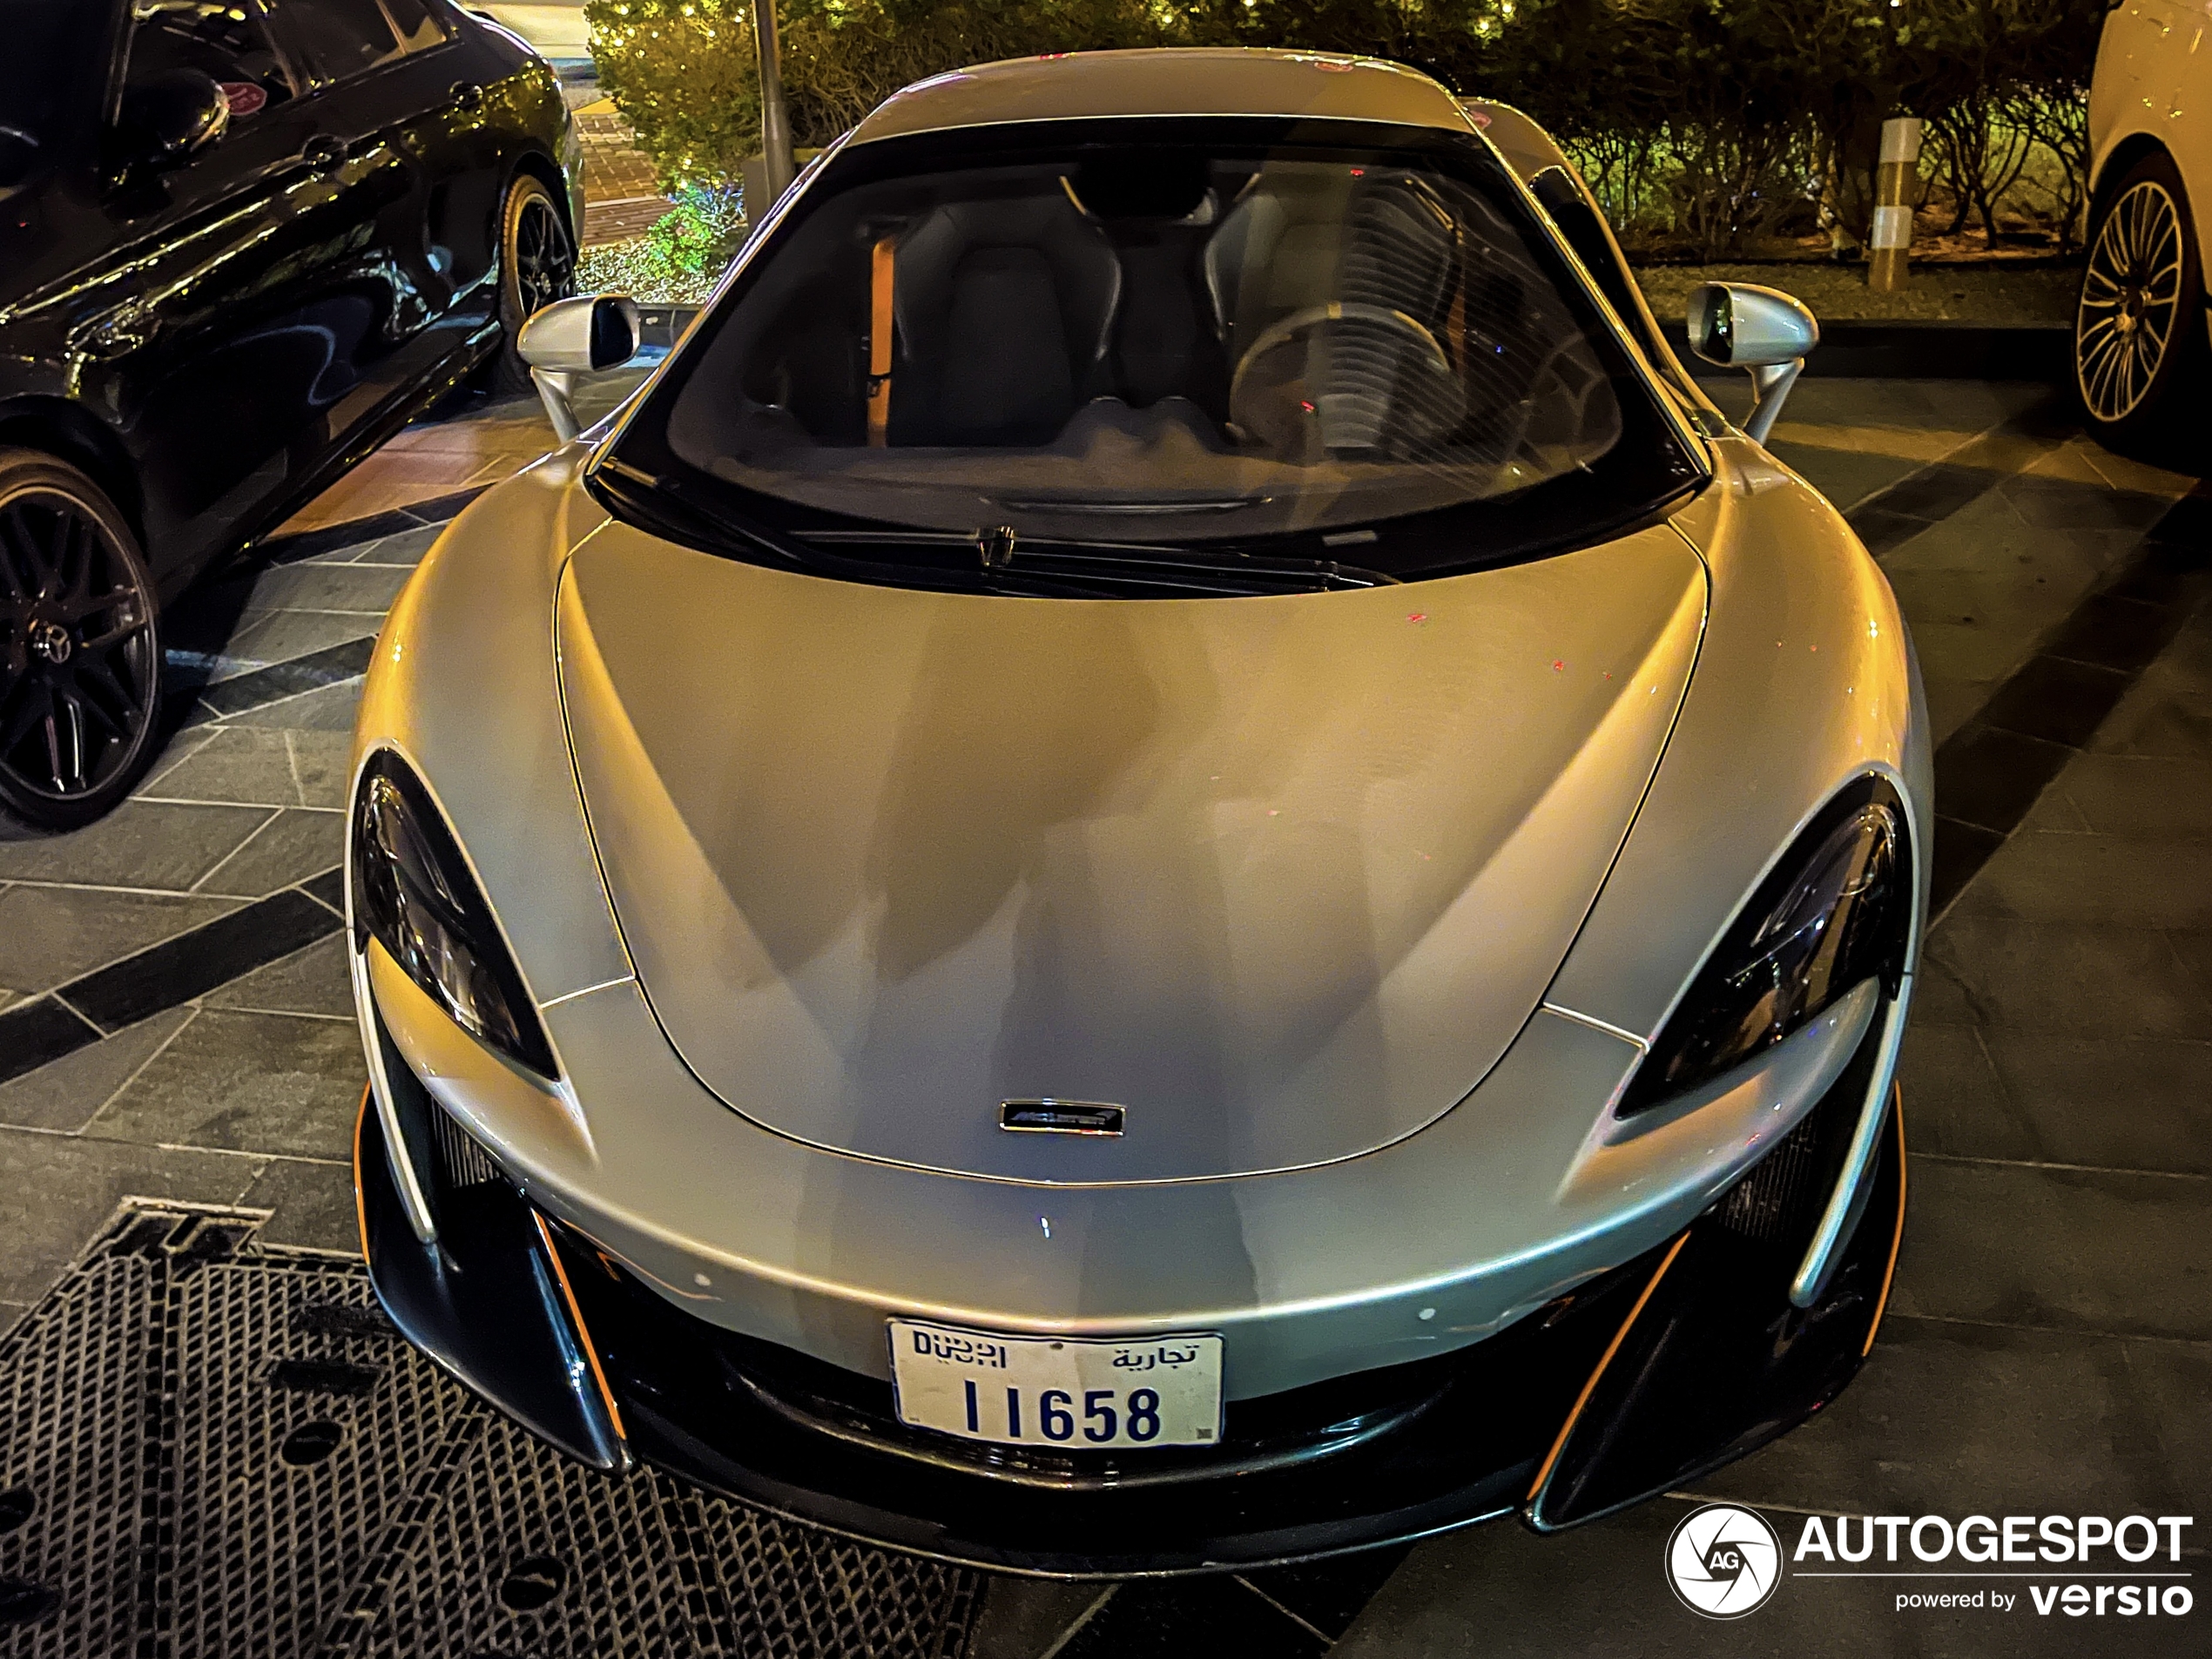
x=1927, y=351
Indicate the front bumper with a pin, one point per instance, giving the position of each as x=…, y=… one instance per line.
x=1667, y=1365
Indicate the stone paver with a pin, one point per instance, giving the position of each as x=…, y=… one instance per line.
x=622, y=193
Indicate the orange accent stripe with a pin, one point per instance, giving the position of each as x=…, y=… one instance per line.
x=1612, y=1348
x=360, y=1201
x=882, y=274
x=582, y=1330
x=1897, y=1238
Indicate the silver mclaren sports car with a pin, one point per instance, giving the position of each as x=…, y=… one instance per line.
x=1169, y=860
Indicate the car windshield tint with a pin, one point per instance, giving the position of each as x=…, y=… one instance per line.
x=1254, y=334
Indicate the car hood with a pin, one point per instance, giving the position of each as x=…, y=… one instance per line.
x=1281, y=876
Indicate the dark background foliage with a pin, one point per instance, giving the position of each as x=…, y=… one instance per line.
x=1705, y=126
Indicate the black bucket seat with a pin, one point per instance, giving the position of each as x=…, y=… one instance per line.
x=1004, y=311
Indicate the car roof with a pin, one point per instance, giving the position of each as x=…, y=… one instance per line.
x=1186, y=81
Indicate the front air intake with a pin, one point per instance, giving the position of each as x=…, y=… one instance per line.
x=461, y=1163
x=1782, y=1199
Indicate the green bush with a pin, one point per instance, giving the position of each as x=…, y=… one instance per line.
x=700, y=234
x=678, y=260
x=1703, y=124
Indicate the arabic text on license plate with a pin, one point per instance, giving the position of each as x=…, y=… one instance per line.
x=1071, y=1392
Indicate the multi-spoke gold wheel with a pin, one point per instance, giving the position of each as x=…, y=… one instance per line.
x=2141, y=296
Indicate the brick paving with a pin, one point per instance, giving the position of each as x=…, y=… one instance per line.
x=622, y=197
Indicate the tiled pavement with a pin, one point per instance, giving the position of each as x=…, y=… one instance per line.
x=2050, y=1347
x=435, y=465
x=433, y=458
x=623, y=196
x=209, y=1055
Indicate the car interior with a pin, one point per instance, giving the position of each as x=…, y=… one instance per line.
x=1161, y=332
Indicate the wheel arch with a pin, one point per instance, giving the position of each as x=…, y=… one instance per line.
x=2117, y=163
x=537, y=164
x=64, y=430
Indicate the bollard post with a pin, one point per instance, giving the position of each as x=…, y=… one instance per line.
x=1894, y=179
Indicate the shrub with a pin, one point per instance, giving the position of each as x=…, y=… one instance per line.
x=700, y=233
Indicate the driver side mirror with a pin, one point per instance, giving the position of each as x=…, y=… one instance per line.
x=171, y=118
x=583, y=335
x=1739, y=325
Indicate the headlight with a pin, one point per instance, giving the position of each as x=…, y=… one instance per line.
x=414, y=896
x=1834, y=913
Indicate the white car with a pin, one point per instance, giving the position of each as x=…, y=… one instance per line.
x=2139, y=329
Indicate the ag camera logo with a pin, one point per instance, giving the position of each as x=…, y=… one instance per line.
x=1724, y=1561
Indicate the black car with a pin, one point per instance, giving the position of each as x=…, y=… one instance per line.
x=242, y=242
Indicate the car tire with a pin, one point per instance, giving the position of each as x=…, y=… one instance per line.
x=536, y=266
x=80, y=647
x=2138, y=325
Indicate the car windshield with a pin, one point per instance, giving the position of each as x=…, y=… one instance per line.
x=1320, y=336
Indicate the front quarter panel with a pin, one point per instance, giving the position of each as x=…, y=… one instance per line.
x=463, y=685
x=1806, y=680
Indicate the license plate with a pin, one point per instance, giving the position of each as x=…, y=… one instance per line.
x=1079, y=1393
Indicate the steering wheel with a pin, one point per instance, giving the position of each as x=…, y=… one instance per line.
x=1257, y=401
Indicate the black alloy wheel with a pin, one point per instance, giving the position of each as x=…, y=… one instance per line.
x=536, y=266
x=80, y=647
x=2139, y=330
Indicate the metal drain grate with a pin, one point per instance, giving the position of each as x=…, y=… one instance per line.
x=210, y=1448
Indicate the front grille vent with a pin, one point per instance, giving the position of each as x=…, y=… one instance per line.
x=1770, y=1202
x=461, y=1163
x=1781, y=1200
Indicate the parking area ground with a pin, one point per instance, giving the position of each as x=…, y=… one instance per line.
x=174, y=1025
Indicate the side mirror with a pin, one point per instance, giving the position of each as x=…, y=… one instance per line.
x=173, y=115
x=1739, y=325
x=582, y=335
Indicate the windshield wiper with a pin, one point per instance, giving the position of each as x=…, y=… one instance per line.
x=667, y=507
x=1120, y=565
x=986, y=560
x=651, y=496
x=1128, y=508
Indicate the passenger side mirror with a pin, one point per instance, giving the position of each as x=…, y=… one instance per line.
x=1739, y=325
x=583, y=335
x=173, y=115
